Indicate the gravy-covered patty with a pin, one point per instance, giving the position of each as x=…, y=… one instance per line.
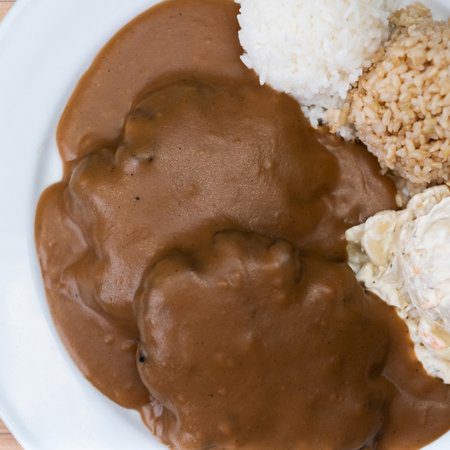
x=193, y=254
x=269, y=344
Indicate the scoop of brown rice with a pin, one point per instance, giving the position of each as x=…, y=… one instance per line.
x=400, y=107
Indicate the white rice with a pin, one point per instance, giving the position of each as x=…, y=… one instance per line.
x=312, y=49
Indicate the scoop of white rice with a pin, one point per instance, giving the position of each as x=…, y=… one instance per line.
x=312, y=49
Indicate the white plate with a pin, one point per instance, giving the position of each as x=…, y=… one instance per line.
x=45, y=46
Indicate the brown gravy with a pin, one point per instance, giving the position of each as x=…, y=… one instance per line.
x=193, y=254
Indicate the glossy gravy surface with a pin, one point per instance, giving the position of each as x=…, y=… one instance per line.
x=194, y=253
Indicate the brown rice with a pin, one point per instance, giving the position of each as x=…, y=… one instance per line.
x=401, y=106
